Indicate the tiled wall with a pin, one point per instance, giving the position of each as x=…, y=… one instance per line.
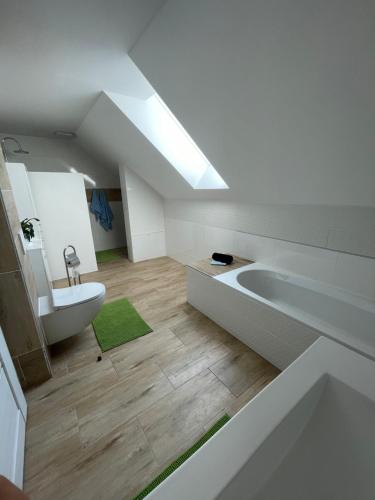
x=348, y=229
x=18, y=298
x=194, y=232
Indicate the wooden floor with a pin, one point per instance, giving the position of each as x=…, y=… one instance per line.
x=103, y=430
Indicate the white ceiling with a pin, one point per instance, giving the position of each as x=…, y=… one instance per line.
x=279, y=94
x=55, y=58
x=114, y=139
x=279, y=99
x=110, y=135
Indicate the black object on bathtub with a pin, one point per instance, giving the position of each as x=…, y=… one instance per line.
x=222, y=257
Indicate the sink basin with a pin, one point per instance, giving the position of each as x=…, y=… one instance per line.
x=309, y=435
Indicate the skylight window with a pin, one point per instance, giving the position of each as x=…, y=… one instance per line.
x=156, y=122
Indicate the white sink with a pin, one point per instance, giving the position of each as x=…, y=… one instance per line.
x=309, y=435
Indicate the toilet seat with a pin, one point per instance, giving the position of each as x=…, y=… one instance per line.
x=78, y=294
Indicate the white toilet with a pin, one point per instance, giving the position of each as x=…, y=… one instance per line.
x=64, y=311
x=69, y=310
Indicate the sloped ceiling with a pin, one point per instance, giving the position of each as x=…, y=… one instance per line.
x=279, y=95
x=108, y=133
x=56, y=57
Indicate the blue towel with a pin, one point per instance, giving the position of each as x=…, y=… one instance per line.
x=101, y=209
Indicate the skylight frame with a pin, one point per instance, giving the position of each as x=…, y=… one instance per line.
x=216, y=177
x=159, y=125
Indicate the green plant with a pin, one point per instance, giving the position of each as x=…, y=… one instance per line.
x=28, y=228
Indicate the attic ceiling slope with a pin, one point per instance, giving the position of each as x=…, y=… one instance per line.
x=277, y=94
x=56, y=57
x=155, y=121
x=109, y=133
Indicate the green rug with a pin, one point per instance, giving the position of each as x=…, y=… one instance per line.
x=118, y=322
x=110, y=255
x=180, y=460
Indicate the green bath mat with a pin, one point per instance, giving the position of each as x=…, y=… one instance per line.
x=181, y=459
x=118, y=322
x=110, y=255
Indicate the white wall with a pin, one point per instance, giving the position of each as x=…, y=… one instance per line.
x=23, y=196
x=60, y=201
x=193, y=234
x=346, y=229
x=59, y=155
x=277, y=94
x=144, y=217
x=115, y=238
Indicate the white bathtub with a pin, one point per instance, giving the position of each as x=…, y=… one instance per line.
x=308, y=435
x=335, y=313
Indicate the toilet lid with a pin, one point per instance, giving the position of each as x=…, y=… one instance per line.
x=65, y=297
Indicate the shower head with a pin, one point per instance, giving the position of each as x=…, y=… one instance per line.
x=19, y=149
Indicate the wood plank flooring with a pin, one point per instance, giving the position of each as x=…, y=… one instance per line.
x=103, y=430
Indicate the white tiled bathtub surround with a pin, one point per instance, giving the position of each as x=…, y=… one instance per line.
x=343, y=228
x=195, y=229
x=275, y=336
x=278, y=297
